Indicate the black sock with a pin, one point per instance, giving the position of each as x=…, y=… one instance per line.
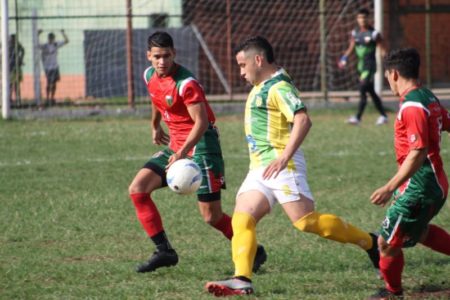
x=161, y=241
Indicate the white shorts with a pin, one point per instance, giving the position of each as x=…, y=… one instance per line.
x=287, y=187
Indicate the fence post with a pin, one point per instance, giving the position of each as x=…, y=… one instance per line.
x=5, y=61
x=129, y=42
x=427, y=43
x=378, y=18
x=229, y=51
x=323, y=49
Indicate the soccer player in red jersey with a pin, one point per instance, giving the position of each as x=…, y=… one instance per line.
x=178, y=99
x=420, y=184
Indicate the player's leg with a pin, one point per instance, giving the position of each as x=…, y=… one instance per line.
x=56, y=78
x=209, y=193
x=329, y=226
x=363, y=88
x=48, y=87
x=297, y=202
x=437, y=239
x=405, y=224
x=252, y=204
x=391, y=268
x=148, y=179
x=382, y=119
x=292, y=191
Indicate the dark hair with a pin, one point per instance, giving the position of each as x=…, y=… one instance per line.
x=363, y=11
x=257, y=43
x=160, y=39
x=51, y=35
x=406, y=61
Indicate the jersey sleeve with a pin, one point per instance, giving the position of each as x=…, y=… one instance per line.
x=147, y=74
x=192, y=92
x=287, y=99
x=415, y=120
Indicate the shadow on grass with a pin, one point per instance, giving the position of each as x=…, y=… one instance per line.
x=431, y=291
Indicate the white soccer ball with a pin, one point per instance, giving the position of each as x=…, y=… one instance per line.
x=184, y=176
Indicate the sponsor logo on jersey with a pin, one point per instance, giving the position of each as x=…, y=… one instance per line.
x=412, y=138
x=367, y=39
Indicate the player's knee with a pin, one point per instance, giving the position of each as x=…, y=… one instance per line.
x=211, y=218
x=320, y=224
x=308, y=223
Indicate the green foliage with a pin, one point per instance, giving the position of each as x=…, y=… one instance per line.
x=68, y=229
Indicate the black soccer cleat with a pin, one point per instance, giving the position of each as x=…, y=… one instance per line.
x=260, y=258
x=384, y=294
x=159, y=259
x=374, y=253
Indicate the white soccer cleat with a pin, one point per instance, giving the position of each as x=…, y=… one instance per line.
x=381, y=120
x=353, y=120
x=230, y=287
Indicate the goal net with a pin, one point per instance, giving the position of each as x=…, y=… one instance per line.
x=93, y=65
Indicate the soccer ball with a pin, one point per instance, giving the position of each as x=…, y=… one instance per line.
x=184, y=176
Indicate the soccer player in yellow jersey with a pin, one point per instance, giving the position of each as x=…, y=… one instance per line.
x=276, y=124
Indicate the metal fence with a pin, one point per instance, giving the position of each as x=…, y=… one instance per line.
x=93, y=65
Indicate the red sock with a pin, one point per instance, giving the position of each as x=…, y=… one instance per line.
x=224, y=225
x=438, y=239
x=147, y=213
x=391, y=268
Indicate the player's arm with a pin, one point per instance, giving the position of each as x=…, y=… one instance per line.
x=445, y=119
x=351, y=47
x=413, y=161
x=416, y=122
x=197, y=112
x=158, y=134
x=344, y=58
x=66, y=39
x=300, y=128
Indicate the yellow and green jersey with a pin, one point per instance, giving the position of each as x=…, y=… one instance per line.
x=269, y=113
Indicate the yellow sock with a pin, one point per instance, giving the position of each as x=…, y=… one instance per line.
x=332, y=227
x=243, y=243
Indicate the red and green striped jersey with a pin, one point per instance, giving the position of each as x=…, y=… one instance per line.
x=172, y=95
x=419, y=123
x=269, y=113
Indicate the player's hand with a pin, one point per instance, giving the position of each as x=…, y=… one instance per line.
x=274, y=168
x=342, y=63
x=160, y=137
x=174, y=157
x=381, y=196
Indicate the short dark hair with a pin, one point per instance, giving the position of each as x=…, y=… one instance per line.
x=51, y=35
x=363, y=11
x=406, y=61
x=160, y=39
x=258, y=43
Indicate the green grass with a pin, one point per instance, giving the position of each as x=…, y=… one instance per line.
x=68, y=229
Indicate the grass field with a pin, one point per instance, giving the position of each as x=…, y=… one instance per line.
x=68, y=229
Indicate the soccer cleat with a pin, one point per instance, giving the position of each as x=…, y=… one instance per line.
x=381, y=120
x=230, y=287
x=374, y=253
x=384, y=294
x=260, y=258
x=159, y=259
x=353, y=120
